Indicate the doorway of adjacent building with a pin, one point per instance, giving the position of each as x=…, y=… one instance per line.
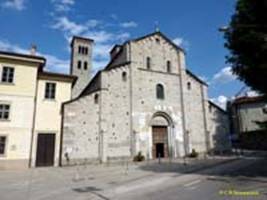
x=160, y=142
x=45, y=149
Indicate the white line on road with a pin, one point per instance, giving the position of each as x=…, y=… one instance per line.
x=192, y=183
x=192, y=188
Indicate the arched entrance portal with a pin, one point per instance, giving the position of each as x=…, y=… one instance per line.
x=161, y=125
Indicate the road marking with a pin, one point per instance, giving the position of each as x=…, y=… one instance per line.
x=137, y=185
x=192, y=183
x=192, y=188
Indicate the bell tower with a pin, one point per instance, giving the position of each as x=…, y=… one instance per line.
x=81, y=63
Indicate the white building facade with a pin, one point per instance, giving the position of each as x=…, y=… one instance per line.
x=30, y=111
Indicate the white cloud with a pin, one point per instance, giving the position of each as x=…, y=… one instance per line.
x=63, y=5
x=123, y=36
x=178, y=41
x=94, y=29
x=99, y=36
x=14, y=4
x=92, y=23
x=53, y=63
x=101, y=51
x=70, y=27
x=130, y=24
x=252, y=93
x=181, y=42
x=225, y=75
x=220, y=101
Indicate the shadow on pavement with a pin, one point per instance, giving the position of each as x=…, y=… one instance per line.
x=247, y=167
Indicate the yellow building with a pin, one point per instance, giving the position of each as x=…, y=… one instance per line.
x=30, y=111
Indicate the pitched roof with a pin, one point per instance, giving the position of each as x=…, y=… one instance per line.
x=93, y=81
x=39, y=59
x=196, y=77
x=216, y=106
x=162, y=35
x=245, y=99
x=57, y=76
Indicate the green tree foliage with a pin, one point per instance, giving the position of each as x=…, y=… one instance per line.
x=246, y=39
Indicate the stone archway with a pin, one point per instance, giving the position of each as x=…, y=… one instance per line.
x=161, y=126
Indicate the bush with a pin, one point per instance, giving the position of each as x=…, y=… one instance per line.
x=193, y=154
x=139, y=157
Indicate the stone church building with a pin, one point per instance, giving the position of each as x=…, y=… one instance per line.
x=144, y=100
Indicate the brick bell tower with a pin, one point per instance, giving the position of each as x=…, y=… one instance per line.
x=81, y=63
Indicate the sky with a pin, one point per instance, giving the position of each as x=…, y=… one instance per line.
x=191, y=24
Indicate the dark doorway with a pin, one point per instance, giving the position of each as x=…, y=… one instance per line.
x=45, y=150
x=160, y=150
x=160, y=141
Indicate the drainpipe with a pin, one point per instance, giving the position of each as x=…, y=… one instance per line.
x=33, y=120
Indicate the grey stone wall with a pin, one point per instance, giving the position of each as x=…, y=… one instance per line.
x=194, y=114
x=81, y=130
x=219, y=130
x=115, y=113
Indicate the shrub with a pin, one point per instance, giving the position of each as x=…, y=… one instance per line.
x=193, y=154
x=139, y=157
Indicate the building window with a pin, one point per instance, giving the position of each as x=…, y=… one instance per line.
x=96, y=99
x=79, y=64
x=124, y=76
x=4, y=111
x=8, y=75
x=85, y=65
x=80, y=49
x=169, y=66
x=188, y=85
x=160, y=91
x=50, y=90
x=85, y=50
x=158, y=40
x=2, y=145
x=148, y=63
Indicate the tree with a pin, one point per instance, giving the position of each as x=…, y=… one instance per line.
x=246, y=39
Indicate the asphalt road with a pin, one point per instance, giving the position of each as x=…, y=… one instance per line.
x=244, y=179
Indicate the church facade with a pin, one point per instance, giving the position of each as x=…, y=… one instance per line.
x=145, y=100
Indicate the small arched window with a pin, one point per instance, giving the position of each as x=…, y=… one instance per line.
x=124, y=76
x=85, y=50
x=79, y=64
x=160, y=91
x=169, y=70
x=148, y=63
x=188, y=85
x=85, y=65
x=96, y=98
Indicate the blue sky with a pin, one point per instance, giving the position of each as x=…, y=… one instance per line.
x=192, y=24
